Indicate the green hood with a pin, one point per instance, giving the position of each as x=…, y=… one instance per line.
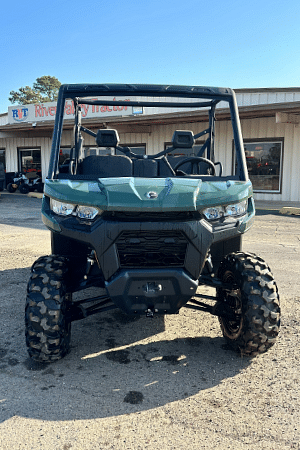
x=132, y=194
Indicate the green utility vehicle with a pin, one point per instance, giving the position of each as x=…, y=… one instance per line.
x=149, y=230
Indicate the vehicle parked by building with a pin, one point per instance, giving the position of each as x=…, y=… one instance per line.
x=25, y=185
x=149, y=229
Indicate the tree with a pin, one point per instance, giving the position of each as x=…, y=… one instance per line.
x=45, y=89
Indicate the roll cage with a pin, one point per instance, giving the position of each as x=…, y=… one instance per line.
x=197, y=97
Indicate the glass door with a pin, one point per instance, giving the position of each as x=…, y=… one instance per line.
x=2, y=157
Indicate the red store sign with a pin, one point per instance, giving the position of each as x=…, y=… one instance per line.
x=46, y=111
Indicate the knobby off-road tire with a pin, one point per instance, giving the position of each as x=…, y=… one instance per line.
x=254, y=300
x=47, y=327
x=24, y=188
x=10, y=188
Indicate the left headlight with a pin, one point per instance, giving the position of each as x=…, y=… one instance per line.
x=234, y=210
x=81, y=211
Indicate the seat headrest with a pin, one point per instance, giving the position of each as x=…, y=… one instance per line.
x=183, y=139
x=107, y=138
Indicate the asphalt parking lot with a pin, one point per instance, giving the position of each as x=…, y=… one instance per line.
x=163, y=383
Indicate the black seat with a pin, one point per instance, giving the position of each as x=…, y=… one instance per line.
x=164, y=168
x=146, y=168
x=105, y=166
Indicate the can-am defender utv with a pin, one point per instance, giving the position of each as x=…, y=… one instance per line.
x=150, y=229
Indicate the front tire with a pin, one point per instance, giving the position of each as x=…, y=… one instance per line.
x=47, y=325
x=10, y=188
x=254, y=301
x=24, y=188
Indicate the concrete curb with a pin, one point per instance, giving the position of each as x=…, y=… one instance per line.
x=35, y=194
x=290, y=210
x=285, y=208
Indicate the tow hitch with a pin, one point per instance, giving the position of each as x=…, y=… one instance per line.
x=151, y=289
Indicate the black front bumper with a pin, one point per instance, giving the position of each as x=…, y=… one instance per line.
x=151, y=291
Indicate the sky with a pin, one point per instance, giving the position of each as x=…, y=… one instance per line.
x=224, y=43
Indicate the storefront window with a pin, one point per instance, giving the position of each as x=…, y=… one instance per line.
x=30, y=162
x=2, y=157
x=64, y=154
x=192, y=151
x=139, y=149
x=264, y=162
x=88, y=151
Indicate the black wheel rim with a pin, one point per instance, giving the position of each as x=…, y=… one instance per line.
x=233, y=302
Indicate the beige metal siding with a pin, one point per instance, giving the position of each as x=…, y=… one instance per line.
x=267, y=128
x=264, y=98
x=12, y=144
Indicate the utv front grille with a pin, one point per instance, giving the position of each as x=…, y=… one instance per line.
x=146, y=216
x=138, y=249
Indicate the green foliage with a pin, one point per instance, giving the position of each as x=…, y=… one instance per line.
x=45, y=89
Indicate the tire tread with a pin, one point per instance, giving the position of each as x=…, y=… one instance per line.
x=260, y=303
x=47, y=329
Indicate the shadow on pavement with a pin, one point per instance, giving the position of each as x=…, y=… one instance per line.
x=117, y=364
x=19, y=210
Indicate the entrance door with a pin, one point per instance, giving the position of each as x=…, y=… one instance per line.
x=30, y=162
x=2, y=157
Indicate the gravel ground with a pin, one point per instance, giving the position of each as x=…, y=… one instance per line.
x=162, y=383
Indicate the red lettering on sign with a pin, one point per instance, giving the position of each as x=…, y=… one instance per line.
x=39, y=111
x=45, y=110
x=127, y=100
x=68, y=109
x=85, y=109
x=95, y=108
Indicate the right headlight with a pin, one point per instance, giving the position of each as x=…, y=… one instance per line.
x=87, y=212
x=81, y=211
x=234, y=210
x=61, y=208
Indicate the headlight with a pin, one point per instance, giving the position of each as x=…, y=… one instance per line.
x=214, y=213
x=63, y=209
x=238, y=209
x=81, y=211
x=86, y=212
x=235, y=210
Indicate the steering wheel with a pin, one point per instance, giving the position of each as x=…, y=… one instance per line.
x=196, y=160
